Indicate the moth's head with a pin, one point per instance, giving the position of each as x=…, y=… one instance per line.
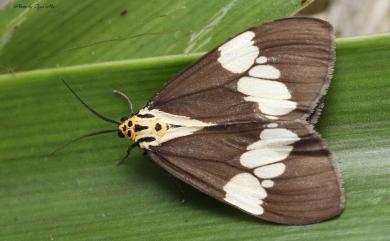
x=126, y=127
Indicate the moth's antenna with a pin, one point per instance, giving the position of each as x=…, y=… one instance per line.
x=96, y=133
x=129, y=104
x=88, y=107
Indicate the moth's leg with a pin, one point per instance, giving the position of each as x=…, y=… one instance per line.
x=127, y=153
x=129, y=104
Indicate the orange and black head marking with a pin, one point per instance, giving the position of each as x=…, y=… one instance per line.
x=126, y=128
x=142, y=128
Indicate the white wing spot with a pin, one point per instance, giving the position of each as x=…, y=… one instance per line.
x=261, y=60
x=238, y=54
x=265, y=155
x=272, y=125
x=273, y=107
x=275, y=137
x=265, y=72
x=267, y=183
x=270, y=171
x=274, y=145
x=244, y=191
x=263, y=88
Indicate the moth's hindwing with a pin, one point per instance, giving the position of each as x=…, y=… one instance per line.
x=276, y=71
x=280, y=172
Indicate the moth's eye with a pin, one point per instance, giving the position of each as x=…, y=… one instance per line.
x=123, y=118
x=120, y=134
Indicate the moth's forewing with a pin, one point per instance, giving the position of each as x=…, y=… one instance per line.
x=278, y=70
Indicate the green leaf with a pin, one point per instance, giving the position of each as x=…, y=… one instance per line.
x=78, y=32
x=79, y=194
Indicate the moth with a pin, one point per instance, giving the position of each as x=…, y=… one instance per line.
x=238, y=124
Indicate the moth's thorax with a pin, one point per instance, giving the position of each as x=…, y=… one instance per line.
x=137, y=127
x=156, y=127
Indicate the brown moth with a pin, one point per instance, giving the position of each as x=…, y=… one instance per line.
x=238, y=124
